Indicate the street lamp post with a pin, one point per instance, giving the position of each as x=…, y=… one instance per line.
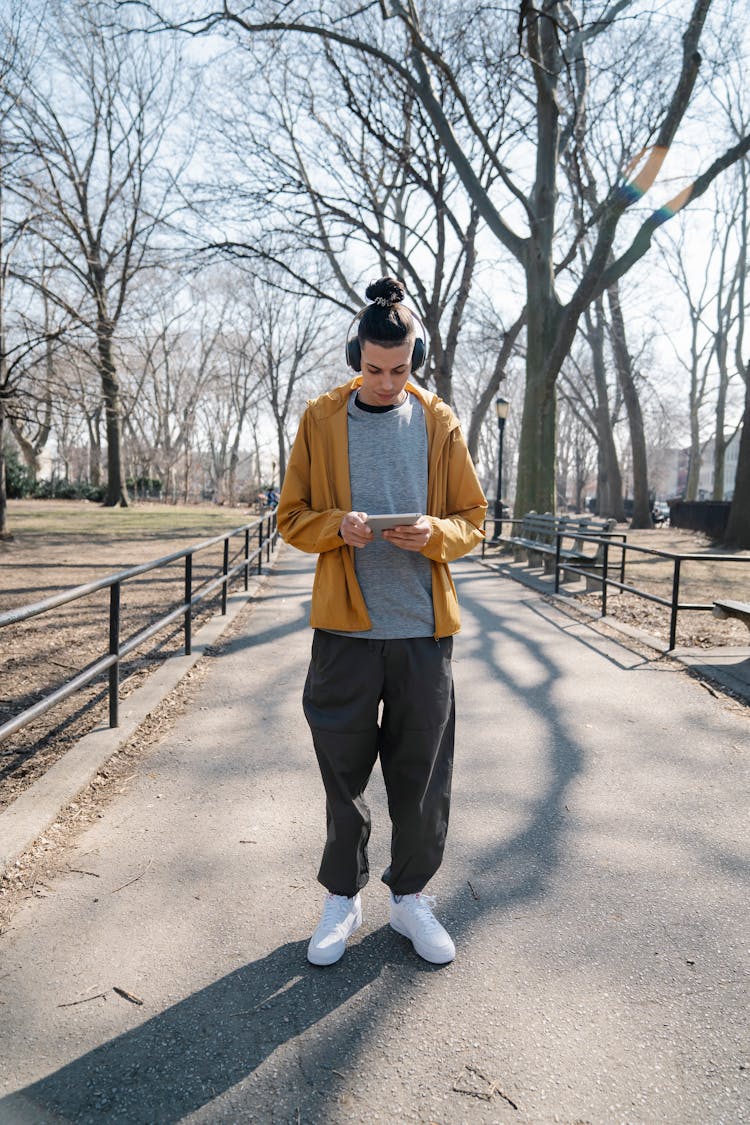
x=501, y=409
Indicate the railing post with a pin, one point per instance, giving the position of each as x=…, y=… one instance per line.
x=675, y=604
x=269, y=538
x=188, y=607
x=604, y=577
x=622, y=560
x=558, y=545
x=114, y=650
x=246, y=571
x=225, y=571
x=260, y=546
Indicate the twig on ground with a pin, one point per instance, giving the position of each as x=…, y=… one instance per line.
x=485, y=1095
x=72, y=1003
x=127, y=995
x=474, y=894
x=134, y=879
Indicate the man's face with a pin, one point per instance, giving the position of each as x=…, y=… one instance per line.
x=384, y=372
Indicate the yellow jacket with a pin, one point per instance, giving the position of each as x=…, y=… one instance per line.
x=316, y=495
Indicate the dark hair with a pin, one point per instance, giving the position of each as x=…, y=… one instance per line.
x=386, y=321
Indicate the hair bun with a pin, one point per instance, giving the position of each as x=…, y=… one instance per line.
x=386, y=291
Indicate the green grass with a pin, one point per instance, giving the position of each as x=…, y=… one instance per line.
x=35, y=520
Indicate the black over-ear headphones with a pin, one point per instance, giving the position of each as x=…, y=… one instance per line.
x=354, y=349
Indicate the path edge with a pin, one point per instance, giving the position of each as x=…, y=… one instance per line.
x=39, y=806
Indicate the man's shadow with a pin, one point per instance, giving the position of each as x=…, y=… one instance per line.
x=188, y=1055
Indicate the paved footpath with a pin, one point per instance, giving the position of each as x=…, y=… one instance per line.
x=597, y=883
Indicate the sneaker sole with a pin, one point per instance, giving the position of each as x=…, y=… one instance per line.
x=433, y=958
x=323, y=960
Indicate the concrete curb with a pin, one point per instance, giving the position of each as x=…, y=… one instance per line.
x=40, y=805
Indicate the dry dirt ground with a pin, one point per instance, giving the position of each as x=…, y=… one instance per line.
x=701, y=582
x=57, y=545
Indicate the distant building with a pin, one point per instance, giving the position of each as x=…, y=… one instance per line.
x=668, y=470
x=706, y=477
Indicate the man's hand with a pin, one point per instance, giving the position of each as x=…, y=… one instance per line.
x=410, y=537
x=354, y=530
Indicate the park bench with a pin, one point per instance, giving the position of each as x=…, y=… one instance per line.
x=536, y=538
x=740, y=610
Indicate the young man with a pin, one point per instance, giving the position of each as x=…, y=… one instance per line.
x=384, y=611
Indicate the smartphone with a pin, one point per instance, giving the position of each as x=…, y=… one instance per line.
x=379, y=523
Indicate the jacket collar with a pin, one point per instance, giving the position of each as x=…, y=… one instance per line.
x=439, y=413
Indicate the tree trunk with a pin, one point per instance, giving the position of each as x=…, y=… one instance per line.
x=536, y=483
x=3, y=371
x=234, y=460
x=3, y=477
x=28, y=451
x=95, y=449
x=535, y=489
x=479, y=412
x=117, y=493
x=738, y=525
x=580, y=475
x=441, y=369
x=186, y=477
x=641, y=498
x=694, y=458
x=720, y=445
x=282, y=448
x=609, y=477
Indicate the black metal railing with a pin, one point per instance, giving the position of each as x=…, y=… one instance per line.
x=265, y=533
x=674, y=604
x=498, y=527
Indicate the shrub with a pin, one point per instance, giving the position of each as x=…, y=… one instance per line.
x=144, y=488
x=19, y=481
x=67, y=490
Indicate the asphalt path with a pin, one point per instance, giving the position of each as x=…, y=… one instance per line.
x=596, y=883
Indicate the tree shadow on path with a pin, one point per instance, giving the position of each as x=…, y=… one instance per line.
x=192, y=1053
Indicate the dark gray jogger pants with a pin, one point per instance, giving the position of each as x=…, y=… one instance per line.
x=347, y=679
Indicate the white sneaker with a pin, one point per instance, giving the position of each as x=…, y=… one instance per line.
x=341, y=917
x=413, y=918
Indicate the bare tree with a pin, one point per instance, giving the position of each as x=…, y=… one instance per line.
x=293, y=339
x=577, y=452
x=93, y=122
x=503, y=343
x=347, y=182
x=732, y=310
x=230, y=404
x=697, y=361
x=603, y=416
x=557, y=40
x=738, y=525
x=171, y=364
x=730, y=313
x=15, y=45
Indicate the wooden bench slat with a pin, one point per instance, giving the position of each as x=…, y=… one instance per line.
x=725, y=609
x=536, y=534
